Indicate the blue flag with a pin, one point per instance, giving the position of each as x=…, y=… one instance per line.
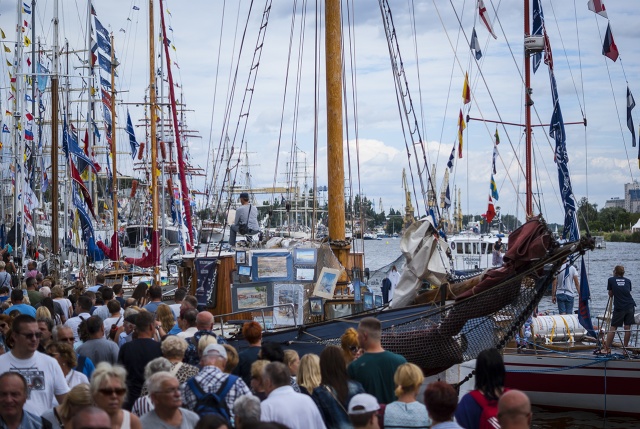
x=538, y=28
x=494, y=188
x=556, y=131
x=132, y=137
x=451, y=158
x=475, y=45
x=584, y=315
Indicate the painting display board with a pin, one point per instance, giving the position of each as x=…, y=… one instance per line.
x=272, y=266
x=326, y=284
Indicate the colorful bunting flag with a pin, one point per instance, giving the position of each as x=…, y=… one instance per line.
x=497, y=136
x=475, y=45
x=485, y=18
x=451, y=158
x=461, y=127
x=495, y=156
x=6, y=48
x=598, y=7
x=609, y=48
x=447, y=198
x=26, y=9
x=2, y=34
x=491, y=211
x=466, y=90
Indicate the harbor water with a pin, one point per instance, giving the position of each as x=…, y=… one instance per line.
x=599, y=264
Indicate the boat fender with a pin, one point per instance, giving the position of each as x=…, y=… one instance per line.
x=134, y=187
x=140, y=150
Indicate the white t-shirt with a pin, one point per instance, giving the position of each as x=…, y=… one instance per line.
x=176, y=310
x=566, y=280
x=110, y=321
x=44, y=378
x=65, y=304
x=74, y=322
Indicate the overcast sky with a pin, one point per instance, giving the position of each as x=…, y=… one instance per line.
x=435, y=55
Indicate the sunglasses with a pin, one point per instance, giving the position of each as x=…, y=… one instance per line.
x=69, y=340
x=31, y=335
x=108, y=392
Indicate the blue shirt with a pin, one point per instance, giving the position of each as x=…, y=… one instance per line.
x=23, y=309
x=152, y=306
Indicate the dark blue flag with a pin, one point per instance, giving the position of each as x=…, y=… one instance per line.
x=584, y=315
x=132, y=137
x=538, y=28
x=631, y=103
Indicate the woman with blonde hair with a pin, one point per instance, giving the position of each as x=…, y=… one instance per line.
x=349, y=344
x=43, y=313
x=292, y=360
x=58, y=296
x=60, y=416
x=108, y=389
x=256, y=378
x=173, y=348
x=68, y=360
x=166, y=320
x=407, y=412
x=309, y=373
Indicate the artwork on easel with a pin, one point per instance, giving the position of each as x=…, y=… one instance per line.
x=305, y=256
x=291, y=298
x=305, y=274
x=241, y=257
x=377, y=300
x=326, y=284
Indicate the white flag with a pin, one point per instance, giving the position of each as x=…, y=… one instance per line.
x=483, y=16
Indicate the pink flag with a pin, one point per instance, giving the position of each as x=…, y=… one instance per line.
x=609, y=48
x=483, y=16
x=598, y=7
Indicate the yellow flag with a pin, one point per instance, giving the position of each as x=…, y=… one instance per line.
x=27, y=41
x=173, y=47
x=13, y=88
x=2, y=34
x=20, y=126
x=9, y=64
x=6, y=48
x=466, y=91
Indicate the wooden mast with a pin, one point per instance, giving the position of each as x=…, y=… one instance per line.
x=114, y=174
x=335, y=157
x=154, y=150
x=527, y=115
x=55, y=249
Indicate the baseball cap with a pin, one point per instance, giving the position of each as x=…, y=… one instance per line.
x=132, y=318
x=215, y=348
x=363, y=403
x=244, y=195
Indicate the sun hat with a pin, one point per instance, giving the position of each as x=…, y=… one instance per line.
x=363, y=403
x=215, y=348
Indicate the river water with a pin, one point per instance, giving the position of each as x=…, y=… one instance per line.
x=599, y=263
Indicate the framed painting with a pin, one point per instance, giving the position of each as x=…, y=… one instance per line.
x=367, y=300
x=291, y=298
x=241, y=257
x=303, y=256
x=244, y=270
x=305, y=274
x=315, y=306
x=377, y=300
x=250, y=296
x=272, y=266
x=326, y=284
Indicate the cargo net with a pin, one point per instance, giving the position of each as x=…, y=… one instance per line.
x=458, y=332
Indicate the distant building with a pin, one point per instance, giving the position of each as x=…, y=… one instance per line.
x=632, y=197
x=614, y=203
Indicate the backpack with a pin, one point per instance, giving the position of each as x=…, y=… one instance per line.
x=489, y=416
x=212, y=403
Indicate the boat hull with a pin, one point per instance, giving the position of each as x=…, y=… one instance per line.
x=580, y=382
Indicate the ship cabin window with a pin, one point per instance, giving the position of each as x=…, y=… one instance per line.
x=475, y=248
x=459, y=249
x=484, y=248
x=467, y=248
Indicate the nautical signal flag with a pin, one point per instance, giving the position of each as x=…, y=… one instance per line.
x=494, y=189
x=491, y=211
x=495, y=156
x=609, y=48
x=485, y=18
x=598, y=7
x=631, y=103
x=497, y=136
x=447, y=198
x=475, y=45
x=461, y=127
x=466, y=90
x=451, y=158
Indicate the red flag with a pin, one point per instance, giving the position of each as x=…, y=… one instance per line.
x=609, y=48
x=491, y=211
x=466, y=90
x=598, y=7
x=83, y=189
x=461, y=127
x=29, y=116
x=86, y=142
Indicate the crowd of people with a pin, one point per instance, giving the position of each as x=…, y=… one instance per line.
x=96, y=359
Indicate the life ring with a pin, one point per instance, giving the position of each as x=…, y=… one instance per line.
x=453, y=246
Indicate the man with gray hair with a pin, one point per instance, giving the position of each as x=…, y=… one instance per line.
x=247, y=411
x=91, y=418
x=164, y=390
x=211, y=378
x=285, y=405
